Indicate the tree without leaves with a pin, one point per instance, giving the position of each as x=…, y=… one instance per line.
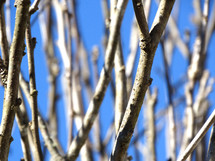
x=77, y=79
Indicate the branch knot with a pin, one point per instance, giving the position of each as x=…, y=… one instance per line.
x=34, y=92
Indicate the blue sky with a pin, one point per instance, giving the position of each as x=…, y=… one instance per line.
x=91, y=25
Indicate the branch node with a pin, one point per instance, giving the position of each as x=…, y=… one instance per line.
x=11, y=139
x=150, y=81
x=33, y=42
x=18, y=102
x=34, y=93
x=145, y=42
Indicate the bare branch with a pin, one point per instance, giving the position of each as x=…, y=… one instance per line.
x=34, y=7
x=30, y=43
x=3, y=37
x=211, y=147
x=121, y=91
x=151, y=129
x=197, y=138
x=50, y=144
x=11, y=102
x=148, y=47
x=93, y=108
x=22, y=121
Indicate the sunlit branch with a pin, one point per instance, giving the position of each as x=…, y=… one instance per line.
x=148, y=46
x=3, y=37
x=197, y=138
x=95, y=103
x=31, y=43
x=11, y=102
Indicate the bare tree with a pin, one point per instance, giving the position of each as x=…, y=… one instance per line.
x=82, y=81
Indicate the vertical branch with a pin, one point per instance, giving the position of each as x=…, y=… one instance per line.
x=11, y=102
x=31, y=43
x=148, y=46
x=171, y=116
x=22, y=121
x=132, y=56
x=97, y=125
x=51, y=144
x=195, y=72
x=8, y=21
x=66, y=57
x=151, y=132
x=101, y=87
x=53, y=68
x=3, y=36
x=147, y=6
x=121, y=91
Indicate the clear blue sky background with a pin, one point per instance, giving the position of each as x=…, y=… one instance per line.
x=91, y=25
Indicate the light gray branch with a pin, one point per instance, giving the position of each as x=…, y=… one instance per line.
x=95, y=103
x=197, y=138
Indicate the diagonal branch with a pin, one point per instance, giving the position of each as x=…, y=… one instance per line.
x=197, y=138
x=148, y=46
x=103, y=82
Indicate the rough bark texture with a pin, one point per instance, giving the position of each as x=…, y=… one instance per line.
x=11, y=102
x=148, y=46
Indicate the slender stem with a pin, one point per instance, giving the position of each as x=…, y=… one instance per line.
x=3, y=37
x=95, y=103
x=22, y=121
x=211, y=146
x=171, y=116
x=121, y=91
x=31, y=42
x=197, y=138
x=151, y=128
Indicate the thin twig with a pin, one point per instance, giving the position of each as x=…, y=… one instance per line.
x=30, y=43
x=211, y=147
x=34, y=7
x=22, y=121
x=198, y=137
x=121, y=91
x=171, y=115
x=50, y=142
x=3, y=37
x=95, y=103
x=151, y=128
